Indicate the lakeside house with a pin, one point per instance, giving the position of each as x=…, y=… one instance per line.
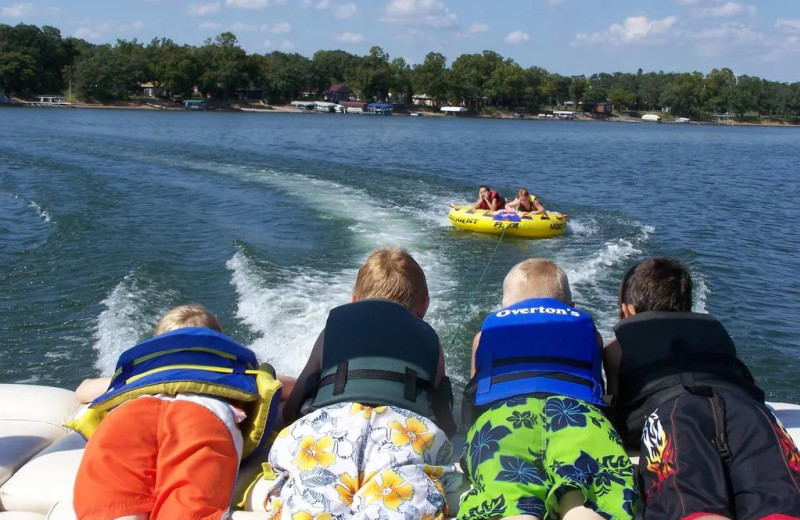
x=422, y=100
x=150, y=89
x=598, y=107
x=337, y=93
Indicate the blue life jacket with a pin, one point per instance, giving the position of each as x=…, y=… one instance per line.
x=539, y=345
x=193, y=360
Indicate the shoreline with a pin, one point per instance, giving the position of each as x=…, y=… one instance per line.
x=289, y=109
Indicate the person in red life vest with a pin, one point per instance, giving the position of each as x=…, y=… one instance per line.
x=489, y=199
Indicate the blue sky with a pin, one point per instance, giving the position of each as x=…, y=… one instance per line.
x=759, y=37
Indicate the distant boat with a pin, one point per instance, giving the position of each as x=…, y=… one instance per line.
x=380, y=109
x=651, y=118
x=454, y=110
x=195, y=104
x=304, y=105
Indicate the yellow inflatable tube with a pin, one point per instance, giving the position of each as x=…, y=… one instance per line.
x=546, y=225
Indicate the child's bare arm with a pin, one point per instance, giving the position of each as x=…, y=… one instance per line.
x=92, y=388
x=612, y=357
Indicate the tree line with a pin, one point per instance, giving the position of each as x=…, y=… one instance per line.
x=37, y=60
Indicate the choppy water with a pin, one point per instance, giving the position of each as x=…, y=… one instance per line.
x=108, y=218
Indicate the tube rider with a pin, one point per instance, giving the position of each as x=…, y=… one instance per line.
x=489, y=199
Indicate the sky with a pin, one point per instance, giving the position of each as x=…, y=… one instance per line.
x=568, y=37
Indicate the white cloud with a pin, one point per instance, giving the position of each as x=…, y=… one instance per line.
x=791, y=25
x=209, y=26
x=517, y=37
x=478, y=28
x=721, y=11
x=287, y=45
x=92, y=34
x=554, y=2
x=280, y=28
x=350, y=37
x=427, y=13
x=635, y=29
x=248, y=4
x=267, y=44
x=714, y=41
x=203, y=9
x=135, y=26
x=341, y=11
x=246, y=27
x=16, y=11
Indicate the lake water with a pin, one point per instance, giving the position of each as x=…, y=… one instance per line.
x=108, y=218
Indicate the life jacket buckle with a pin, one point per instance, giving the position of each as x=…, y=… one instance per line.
x=340, y=379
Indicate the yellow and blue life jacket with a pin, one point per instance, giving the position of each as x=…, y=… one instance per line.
x=537, y=346
x=194, y=360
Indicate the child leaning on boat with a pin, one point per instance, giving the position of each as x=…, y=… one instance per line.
x=539, y=444
x=709, y=446
x=180, y=411
x=373, y=406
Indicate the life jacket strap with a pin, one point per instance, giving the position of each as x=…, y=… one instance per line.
x=205, y=368
x=561, y=376
x=409, y=378
x=541, y=359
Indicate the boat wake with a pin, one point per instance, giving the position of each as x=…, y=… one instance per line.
x=131, y=311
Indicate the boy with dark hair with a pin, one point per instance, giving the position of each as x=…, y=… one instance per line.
x=710, y=447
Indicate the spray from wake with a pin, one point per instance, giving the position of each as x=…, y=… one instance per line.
x=589, y=278
x=128, y=316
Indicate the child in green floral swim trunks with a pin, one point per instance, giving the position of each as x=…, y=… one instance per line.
x=539, y=444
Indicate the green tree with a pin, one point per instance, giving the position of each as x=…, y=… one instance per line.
x=719, y=85
x=402, y=83
x=431, y=78
x=285, y=75
x=372, y=77
x=746, y=96
x=577, y=89
x=330, y=67
x=175, y=68
x=622, y=98
x=225, y=66
x=684, y=94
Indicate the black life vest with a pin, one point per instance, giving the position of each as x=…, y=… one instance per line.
x=376, y=352
x=666, y=354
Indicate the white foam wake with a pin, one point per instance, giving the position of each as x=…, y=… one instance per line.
x=288, y=315
x=700, y=292
x=582, y=227
x=124, y=321
x=612, y=254
x=43, y=213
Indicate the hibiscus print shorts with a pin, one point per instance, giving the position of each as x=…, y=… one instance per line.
x=352, y=461
x=524, y=453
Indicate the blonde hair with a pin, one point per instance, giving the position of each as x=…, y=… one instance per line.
x=536, y=278
x=192, y=315
x=392, y=274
